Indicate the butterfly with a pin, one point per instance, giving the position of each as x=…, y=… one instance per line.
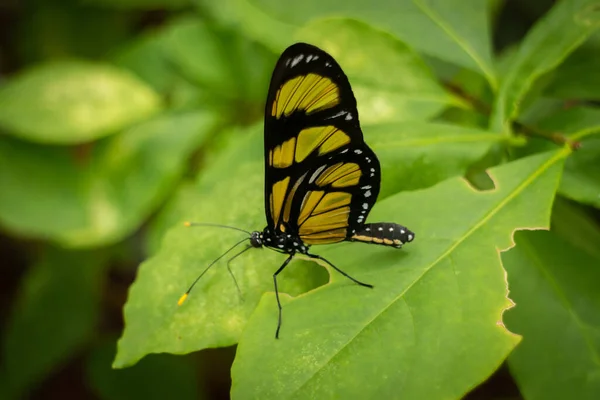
x=321, y=178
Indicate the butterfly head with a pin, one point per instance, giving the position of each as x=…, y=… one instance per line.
x=256, y=239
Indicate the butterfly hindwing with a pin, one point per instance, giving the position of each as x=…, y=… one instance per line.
x=321, y=179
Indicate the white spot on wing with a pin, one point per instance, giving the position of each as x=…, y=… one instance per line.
x=339, y=114
x=368, y=193
x=410, y=237
x=357, y=151
x=365, y=205
x=316, y=174
x=297, y=59
x=391, y=229
x=380, y=229
x=348, y=117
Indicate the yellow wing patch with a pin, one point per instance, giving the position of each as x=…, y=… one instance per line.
x=324, y=217
x=340, y=175
x=325, y=138
x=333, y=236
x=282, y=156
x=277, y=195
x=310, y=201
x=310, y=93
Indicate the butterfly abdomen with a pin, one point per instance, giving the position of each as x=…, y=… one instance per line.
x=384, y=233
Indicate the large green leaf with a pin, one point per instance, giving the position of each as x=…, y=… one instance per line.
x=552, y=38
x=389, y=80
x=435, y=314
x=54, y=316
x=230, y=192
x=455, y=31
x=73, y=102
x=555, y=287
x=90, y=199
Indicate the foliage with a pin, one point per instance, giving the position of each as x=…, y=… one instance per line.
x=109, y=143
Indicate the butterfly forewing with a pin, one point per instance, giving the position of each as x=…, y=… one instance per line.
x=321, y=179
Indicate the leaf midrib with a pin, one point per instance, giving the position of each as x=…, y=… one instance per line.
x=561, y=154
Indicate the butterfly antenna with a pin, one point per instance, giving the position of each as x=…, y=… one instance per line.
x=215, y=225
x=185, y=295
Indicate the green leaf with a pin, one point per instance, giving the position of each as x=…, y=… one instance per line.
x=555, y=287
x=249, y=19
x=575, y=224
x=54, y=316
x=222, y=61
x=389, y=80
x=577, y=77
x=416, y=155
x=546, y=45
x=156, y=377
x=73, y=102
x=454, y=32
x=581, y=177
x=145, y=56
x=82, y=200
x=435, y=312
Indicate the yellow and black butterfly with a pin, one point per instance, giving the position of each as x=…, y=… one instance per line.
x=321, y=179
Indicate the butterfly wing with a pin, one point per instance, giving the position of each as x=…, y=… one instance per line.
x=321, y=179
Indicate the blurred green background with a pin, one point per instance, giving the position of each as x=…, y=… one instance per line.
x=109, y=110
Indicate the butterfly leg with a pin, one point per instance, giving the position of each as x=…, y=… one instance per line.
x=231, y=272
x=285, y=263
x=340, y=271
